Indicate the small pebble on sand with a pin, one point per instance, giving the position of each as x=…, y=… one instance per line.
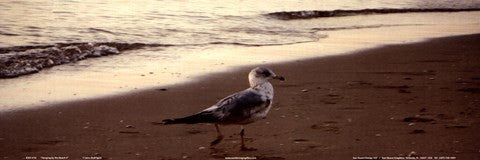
x=412, y=154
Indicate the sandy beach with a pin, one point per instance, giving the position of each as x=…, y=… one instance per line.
x=418, y=99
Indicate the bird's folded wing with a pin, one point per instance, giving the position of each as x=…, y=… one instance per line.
x=239, y=106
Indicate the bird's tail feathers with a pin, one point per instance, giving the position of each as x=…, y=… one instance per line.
x=202, y=117
x=170, y=121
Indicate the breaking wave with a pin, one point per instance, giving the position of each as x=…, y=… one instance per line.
x=293, y=15
x=22, y=60
x=361, y=27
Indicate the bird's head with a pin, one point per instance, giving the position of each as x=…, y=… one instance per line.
x=262, y=74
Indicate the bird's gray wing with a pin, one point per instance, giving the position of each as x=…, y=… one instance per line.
x=239, y=106
x=231, y=109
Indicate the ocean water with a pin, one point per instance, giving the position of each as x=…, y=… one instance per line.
x=59, y=50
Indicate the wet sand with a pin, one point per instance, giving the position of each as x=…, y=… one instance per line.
x=390, y=101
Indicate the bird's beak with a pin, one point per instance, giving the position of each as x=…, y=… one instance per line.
x=281, y=78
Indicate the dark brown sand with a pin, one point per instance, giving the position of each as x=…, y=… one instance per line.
x=422, y=97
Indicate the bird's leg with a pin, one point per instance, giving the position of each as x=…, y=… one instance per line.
x=219, y=136
x=242, y=133
x=241, y=136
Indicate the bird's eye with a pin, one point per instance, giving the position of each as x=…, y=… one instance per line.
x=263, y=73
x=267, y=73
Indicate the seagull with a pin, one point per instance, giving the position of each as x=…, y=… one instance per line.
x=241, y=108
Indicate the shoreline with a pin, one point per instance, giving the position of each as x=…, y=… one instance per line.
x=352, y=105
x=236, y=68
x=149, y=68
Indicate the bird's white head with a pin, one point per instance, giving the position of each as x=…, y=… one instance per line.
x=261, y=75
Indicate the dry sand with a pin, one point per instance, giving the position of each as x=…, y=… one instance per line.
x=421, y=97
